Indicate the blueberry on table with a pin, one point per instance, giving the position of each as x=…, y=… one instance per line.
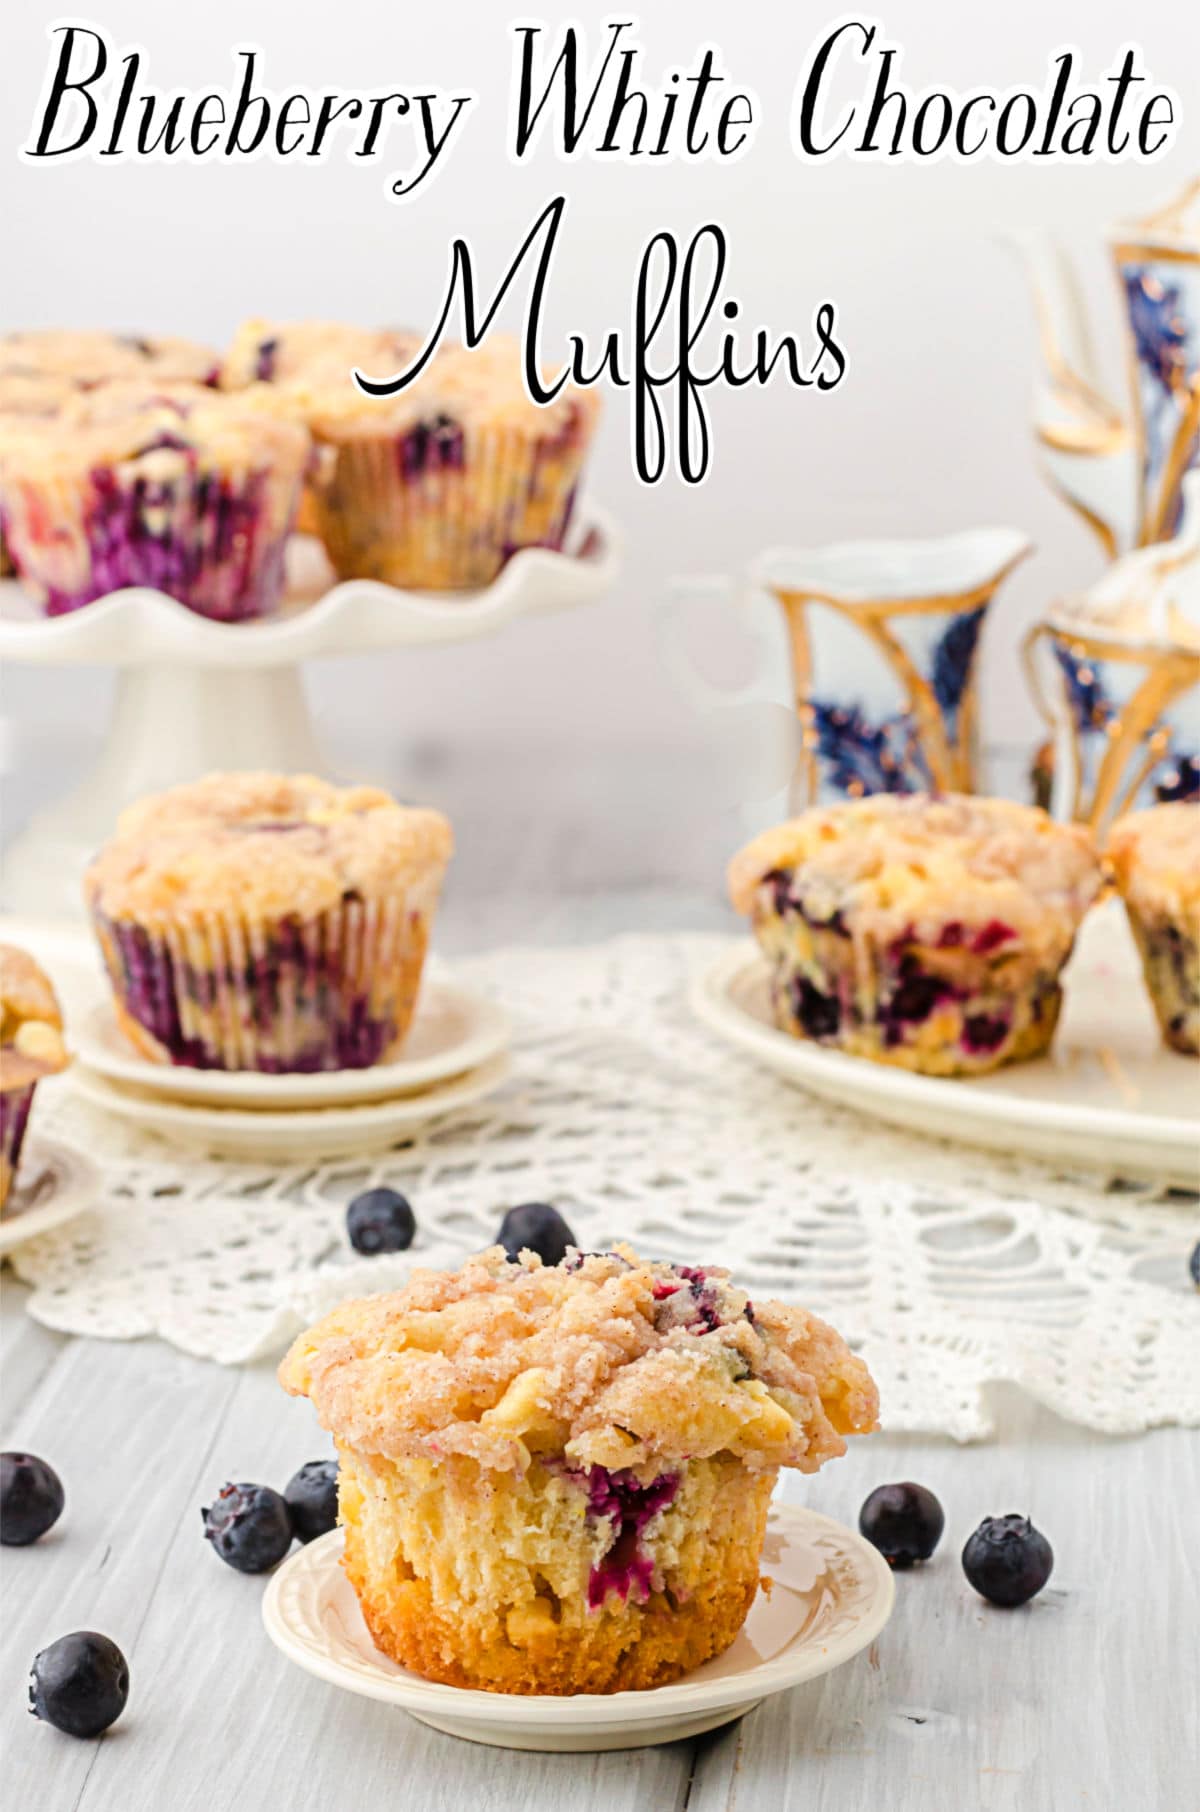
x=312, y=1499
x=1007, y=1560
x=904, y=1522
x=31, y=1498
x=79, y=1684
x=381, y=1220
x=249, y=1526
x=540, y=1228
x=1194, y=1264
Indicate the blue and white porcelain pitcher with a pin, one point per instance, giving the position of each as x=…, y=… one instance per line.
x=884, y=640
x=1123, y=471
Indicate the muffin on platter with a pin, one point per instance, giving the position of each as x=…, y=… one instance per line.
x=270, y=923
x=556, y=1479
x=924, y=932
x=1155, y=859
x=437, y=486
x=168, y=485
x=31, y=1048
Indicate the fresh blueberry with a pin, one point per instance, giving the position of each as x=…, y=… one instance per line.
x=1007, y=1560
x=249, y=1527
x=31, y=1498
x=381, y=1220
x=79, y=1684
x=904, y=1522
x=540, y=1228
x=312, y=1500
x=1194, y=1264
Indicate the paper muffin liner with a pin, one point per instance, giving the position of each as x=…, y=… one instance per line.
x=15, y=1104
x=971, y=999
x=230, y=992
x=553, y=1580
x=438, y=509
x=213, y=540
x=1170, y=953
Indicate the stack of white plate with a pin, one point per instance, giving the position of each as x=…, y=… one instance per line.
x=456, y=1052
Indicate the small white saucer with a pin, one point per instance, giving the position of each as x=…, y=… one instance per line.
x=831, y=1595
x=453, y=1031
x=54, y=1184
x=1109, y=1096
x=294, y=1134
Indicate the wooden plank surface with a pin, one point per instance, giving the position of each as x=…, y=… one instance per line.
x=1087, y=1699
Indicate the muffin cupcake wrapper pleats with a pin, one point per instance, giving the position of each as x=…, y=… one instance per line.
x=222, y=991
x=440, y=510
x=213, y=540
x=964, y=1005
x=526, y=1584
x=1170, y=956
x=15, y=1104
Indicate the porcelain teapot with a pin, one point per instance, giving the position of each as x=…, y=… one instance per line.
x=1124, y=472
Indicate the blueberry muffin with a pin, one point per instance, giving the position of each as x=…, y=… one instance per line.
x=279, y=352
x=35, y=393
x=435, y=488
x=1155, y=859
x=259, y=922
x=31, y=1048
x=928, y=933
x=87, y=357
x=293, y=356
x=169, y=485
x=556, y=1479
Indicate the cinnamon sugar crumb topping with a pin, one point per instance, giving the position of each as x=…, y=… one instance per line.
x=606, y=1360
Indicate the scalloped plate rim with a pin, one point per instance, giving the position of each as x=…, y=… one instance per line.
x=83, y=1186
x=576, y=1713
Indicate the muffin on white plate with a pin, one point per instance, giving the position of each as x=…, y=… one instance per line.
x=925, y=932
x=1155, y=859
x=555, y=1479
x=31, y=1048
x=268, y=922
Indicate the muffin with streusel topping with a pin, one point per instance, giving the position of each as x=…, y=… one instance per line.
x=31, y=1048
x=270, y=923
x=86, y=356
x=556, y=1479
x=1155, y=859
x=36, y=393
x=277, y=352
x=924, y=932
x=168, y=485
x=439, y=485
x=294, y=356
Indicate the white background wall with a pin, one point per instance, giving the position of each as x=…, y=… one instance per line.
x=929, y=432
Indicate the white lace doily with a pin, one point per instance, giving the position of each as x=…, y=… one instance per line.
x=951, y=1269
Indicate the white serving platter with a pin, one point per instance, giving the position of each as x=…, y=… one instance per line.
x=831, y=1595
x=54, y=1183
x=1109, y=1095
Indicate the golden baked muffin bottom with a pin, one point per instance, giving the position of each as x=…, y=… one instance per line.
x=483, y=1581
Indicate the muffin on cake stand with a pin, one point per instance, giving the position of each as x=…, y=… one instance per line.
x=194, y=695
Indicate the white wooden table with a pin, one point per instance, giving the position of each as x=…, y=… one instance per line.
x=1086, y=1699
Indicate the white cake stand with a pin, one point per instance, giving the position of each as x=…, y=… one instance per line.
x=194, y=695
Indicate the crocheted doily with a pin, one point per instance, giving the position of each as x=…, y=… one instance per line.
x=950, y=1269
